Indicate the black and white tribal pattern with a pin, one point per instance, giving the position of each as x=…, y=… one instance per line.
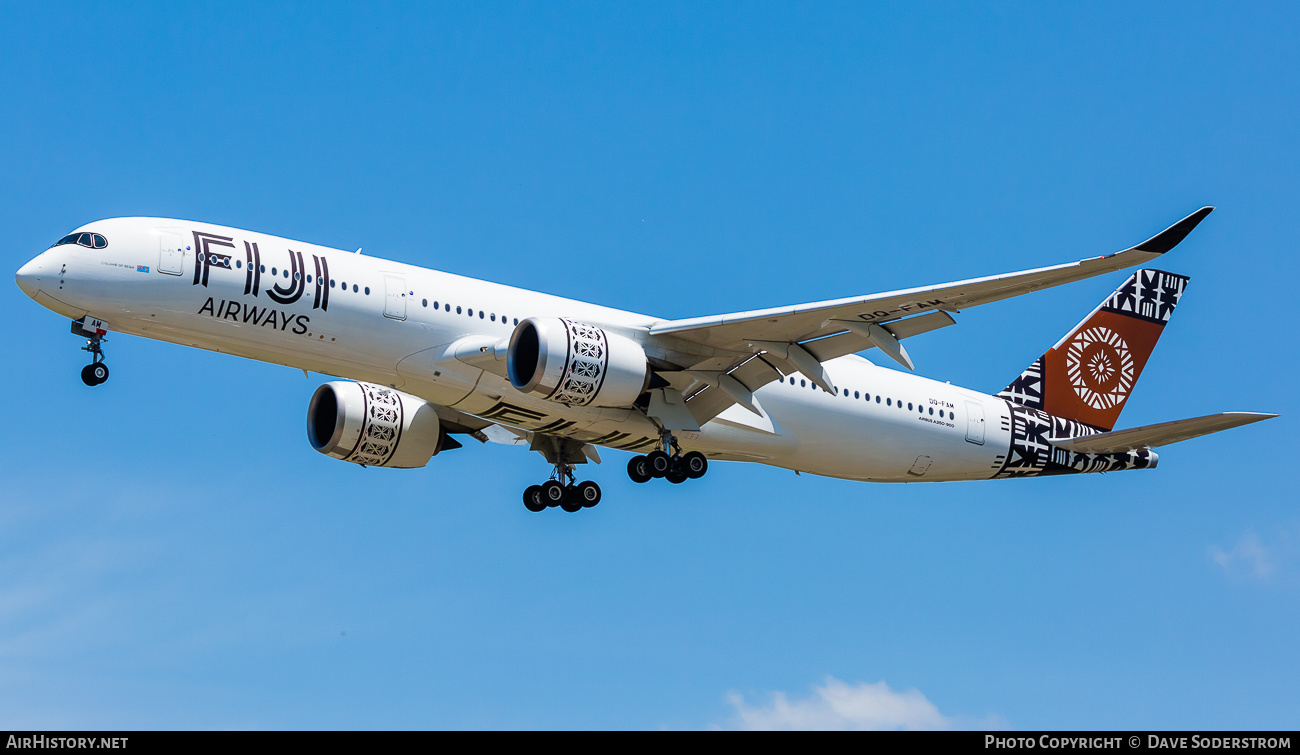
x=588, y=360
x=1148, y=294
x=381, y=428
x=1032, y=455
x=1027, y=390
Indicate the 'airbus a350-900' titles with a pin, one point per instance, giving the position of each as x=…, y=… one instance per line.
x=426, y=356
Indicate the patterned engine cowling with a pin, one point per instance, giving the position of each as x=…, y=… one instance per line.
x=372, y=425
x=576, y=364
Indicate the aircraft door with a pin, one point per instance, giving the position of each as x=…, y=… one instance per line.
x=395, y=297
x=171, y=252
x=974, y=423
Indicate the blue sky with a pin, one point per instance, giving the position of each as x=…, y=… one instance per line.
x=174, y=554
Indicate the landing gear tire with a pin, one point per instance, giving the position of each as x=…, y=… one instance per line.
x=587, y=493
x=571, y=503
x=638, y=468
x=94, y=374
x=533, y=498
x=552, y=493
x=695, y=465
x=659, y=462
x=677, y=473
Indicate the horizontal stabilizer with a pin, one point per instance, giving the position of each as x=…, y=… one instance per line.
x=1154, y=436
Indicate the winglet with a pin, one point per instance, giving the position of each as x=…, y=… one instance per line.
x=1169, y=238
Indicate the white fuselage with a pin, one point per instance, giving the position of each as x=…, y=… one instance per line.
x=394, y=324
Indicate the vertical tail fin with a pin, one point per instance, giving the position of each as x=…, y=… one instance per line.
x=1088, y=375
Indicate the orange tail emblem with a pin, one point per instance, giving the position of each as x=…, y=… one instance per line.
x=1088, y=375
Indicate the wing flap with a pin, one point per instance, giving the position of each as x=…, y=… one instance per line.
x=1162, y=434
x=849, y=342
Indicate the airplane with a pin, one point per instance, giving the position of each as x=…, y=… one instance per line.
x=427, y=355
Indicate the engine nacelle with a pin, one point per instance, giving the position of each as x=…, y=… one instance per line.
x=372, y=425
x=576, y=364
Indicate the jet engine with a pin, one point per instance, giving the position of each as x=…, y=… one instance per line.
x=372, y=425
x=576, y=364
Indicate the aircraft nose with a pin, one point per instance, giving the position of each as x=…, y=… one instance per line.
x=28, y=276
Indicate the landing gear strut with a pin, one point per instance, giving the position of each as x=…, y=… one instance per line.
x=96, y=372
x=668, y=462
x=562, y=490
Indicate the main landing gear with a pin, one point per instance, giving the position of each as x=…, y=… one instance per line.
x=96, y=372
x=676, y=468
x=562, y=490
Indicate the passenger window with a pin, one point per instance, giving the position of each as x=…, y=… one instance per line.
x=803, y=383
x=889, y=402
x=367, y=290
x=457, y=310
x=354, y=288
x=424, y=302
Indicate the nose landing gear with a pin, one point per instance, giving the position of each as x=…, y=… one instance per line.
x=96, y=372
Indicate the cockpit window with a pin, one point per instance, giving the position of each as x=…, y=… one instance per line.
x=88, y=240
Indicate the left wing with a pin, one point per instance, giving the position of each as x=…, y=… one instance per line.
x=751, y=349
x=806, y=321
